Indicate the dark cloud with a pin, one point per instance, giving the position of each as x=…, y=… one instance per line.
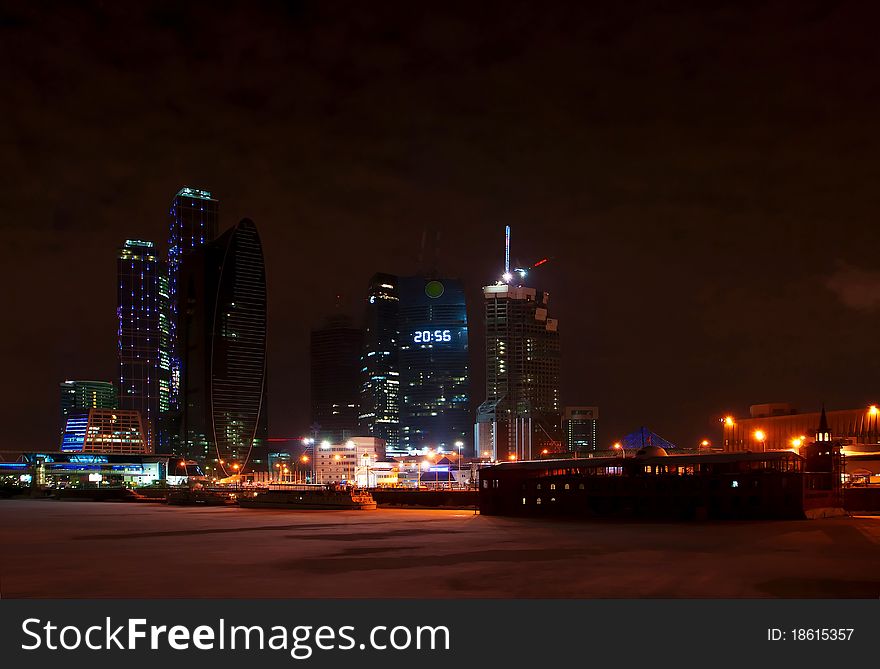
x=695, y=171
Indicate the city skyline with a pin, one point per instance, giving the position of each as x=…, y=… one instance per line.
x=698, y=230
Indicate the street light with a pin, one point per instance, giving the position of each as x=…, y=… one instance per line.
x=705, y=443
x=459, y=445
x=761, y=436
x=618, y=447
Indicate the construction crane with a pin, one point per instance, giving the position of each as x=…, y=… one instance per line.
x=507, y=277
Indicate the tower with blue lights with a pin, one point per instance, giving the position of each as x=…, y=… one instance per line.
x=193, y=222
x=143, y=338
x=415, y=376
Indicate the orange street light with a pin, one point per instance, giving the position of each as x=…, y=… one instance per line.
x=304, y=458
x=873, y=410
x=544, y=452
x=728, y=420
x=511, y=457
x=704, y=443
x=796, y=442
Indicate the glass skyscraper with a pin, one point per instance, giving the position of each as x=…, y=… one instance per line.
x=433, y=365
x=193, y=222
x=380, y=378
x=222, y=341
x=143, y=338
x=415, y=378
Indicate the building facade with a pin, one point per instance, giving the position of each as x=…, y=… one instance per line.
x=380, y=376
x=143, y=339
x=78, y=396
x=521, y=415
x=433, y=364
x=780, y=426
x=105, y=431
x=335, y=364
x=193, y=221
x=349, y=463
x=580, y=427
x=222, y=341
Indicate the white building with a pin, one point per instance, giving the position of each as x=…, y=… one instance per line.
x=350, y=463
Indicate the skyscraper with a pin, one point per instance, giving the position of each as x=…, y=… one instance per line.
x=520, y=417
x=335, y=362
x=193, y=222
x=143, y=338
x=414, y=393
x=380, y=378
x=222, y=341
x=83, y=395
x=433, y=365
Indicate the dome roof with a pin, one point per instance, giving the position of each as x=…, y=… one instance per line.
x=651, y=452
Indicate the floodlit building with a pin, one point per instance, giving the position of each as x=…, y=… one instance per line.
x=335, y=364
x=580, y=426
x=350, y=463
x=780, y=426
x=222, y=341
x=118, y=431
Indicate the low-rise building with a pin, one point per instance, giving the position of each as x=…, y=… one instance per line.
x=350, y=463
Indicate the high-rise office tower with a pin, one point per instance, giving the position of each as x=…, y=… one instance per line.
x=193, y=222
x=143, y=339
x=580, y=425
x=521, y=415
x=79, y=396
x=433, y=365
x=222, y=341
x=380, y=379
x=414, y=391
x=335, y=365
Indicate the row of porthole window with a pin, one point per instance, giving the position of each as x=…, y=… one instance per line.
x=537, y=500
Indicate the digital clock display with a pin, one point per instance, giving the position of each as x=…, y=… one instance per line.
x=432, y=336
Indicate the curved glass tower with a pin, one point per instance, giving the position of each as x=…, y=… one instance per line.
x=223, y=346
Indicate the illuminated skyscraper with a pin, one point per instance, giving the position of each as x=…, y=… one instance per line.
x=521, y=414
x=414, y=392
x=193, y=222
x=380, y=378
x=143, y=338
x=433, y=365
x=222, y=340
x=335, y=361
x=83, y=395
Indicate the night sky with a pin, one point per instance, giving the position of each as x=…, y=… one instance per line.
x=705, y=180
